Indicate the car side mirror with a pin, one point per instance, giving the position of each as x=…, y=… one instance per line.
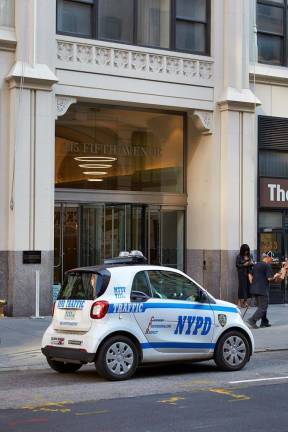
x=202, y=297
x=139, y=296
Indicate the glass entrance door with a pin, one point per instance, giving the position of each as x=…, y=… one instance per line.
x=273, y=237
x=86, y=234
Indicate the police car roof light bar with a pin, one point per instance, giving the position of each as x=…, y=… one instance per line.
x=125, y=257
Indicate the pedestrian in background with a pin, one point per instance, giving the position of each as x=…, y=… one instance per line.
x=244, y=261
x=260, y=276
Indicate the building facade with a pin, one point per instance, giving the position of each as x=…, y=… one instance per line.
x=132, y=124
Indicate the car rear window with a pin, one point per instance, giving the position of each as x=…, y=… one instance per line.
x=84, y=285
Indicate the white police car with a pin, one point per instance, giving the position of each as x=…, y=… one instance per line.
x=125, y=313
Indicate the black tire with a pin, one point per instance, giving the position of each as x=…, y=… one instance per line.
x=62, y=367
x=232, y=351
x=115, y=369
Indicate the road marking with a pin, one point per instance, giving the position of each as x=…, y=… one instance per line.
x=258, y=380
x=48, y=407
x=172, y=400
x=227, y=392
x=92, y=413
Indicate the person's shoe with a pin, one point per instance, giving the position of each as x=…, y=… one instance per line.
x=265, y=325
x=252, y=324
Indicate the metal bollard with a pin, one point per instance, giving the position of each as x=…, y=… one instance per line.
x=2, y=304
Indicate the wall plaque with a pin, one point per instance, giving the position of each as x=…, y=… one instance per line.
x=31, y=257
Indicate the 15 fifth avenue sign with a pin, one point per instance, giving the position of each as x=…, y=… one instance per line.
x=273, y=192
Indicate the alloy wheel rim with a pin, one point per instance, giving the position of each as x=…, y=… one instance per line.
x=234, y=351
x=119, y=358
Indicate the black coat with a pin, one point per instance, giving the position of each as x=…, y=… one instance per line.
x=243, y=280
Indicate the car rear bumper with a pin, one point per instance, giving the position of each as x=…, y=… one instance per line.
x=68, y=354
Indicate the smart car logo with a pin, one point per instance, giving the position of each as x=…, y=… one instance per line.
x=194, y=325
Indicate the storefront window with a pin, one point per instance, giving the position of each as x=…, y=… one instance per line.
x=7, y=13
x=119, y=149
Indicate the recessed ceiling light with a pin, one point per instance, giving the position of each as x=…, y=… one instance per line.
x=95, y=172
x=95, y=180
x=95, y=166
x=95, y=159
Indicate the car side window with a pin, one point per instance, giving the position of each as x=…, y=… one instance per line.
x=173, y=286
x=140, y=283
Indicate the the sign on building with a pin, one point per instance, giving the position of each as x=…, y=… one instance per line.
x=273, y=192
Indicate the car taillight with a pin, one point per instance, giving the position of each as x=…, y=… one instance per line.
x=99, y=309
x=53, y=308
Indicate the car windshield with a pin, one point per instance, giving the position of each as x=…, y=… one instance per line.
x=83, y=285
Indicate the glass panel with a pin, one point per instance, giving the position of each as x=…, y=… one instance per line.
x=114, y=230
x=172, y=239
x=172, y=286
x=118, y=149
x=116, y=20
x=191, y=9
x=270, y=19
x=57, y=246
x=70, y=238
x=153, y=27
x=270, y=220
x=7, y=13
x=139, y=221
x=272, y=242
x=190, y=36
x=92, y=239
x=140, y=283
x=270, y=49
x=74, y=18
x=154, y=237
x=273, y=164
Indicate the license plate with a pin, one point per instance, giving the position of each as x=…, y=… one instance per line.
x=70, y=314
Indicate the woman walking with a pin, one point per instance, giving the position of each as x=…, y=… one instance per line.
x=244, y=261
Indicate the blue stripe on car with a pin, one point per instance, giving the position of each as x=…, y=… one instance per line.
x=147, y=345
x=129, y=307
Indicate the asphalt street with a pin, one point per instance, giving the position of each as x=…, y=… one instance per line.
x=175, y=397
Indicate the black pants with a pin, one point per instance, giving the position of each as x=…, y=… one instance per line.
x=261, y=311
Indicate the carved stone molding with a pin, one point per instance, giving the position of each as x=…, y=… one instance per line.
x=63, y=103
x=134, y=62
x=203, y=121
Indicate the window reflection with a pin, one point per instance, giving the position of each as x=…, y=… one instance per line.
x=119, y=149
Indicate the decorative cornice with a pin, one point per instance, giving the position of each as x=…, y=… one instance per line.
x=63, y=103
x=203, y=121
x=269, y=74
x=24, y=75
x=7, y=39
x=133, y=62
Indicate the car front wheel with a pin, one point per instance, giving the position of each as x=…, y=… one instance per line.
x=62, y=367
x=117, y=359
x=232, y=351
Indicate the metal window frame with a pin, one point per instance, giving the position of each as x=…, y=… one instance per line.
x=173, y=25
x=283, y=36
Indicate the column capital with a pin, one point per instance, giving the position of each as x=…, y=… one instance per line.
x=243, y=100
x=24, y=75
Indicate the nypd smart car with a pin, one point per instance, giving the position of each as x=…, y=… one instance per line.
x=125, y=313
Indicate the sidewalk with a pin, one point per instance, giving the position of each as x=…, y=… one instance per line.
x=20, y=338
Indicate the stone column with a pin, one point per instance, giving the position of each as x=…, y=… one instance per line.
x=31, y=159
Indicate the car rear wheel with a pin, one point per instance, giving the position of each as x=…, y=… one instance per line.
x=117, y=359
x=62, y=367
x=232, y=351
